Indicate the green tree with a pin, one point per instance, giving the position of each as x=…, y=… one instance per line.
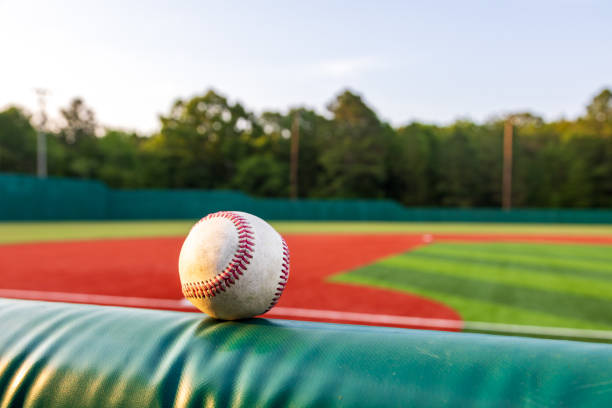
x=79, y=122
x=353, y=158
x=201, y=142
x=17, y=141
x=410, y=170
x=600, y=108
x=458, y=172
x=263, y=175
x=537, y=170
x=312, y=131
x=208, y=142
x=121, y=166
x=77, y=134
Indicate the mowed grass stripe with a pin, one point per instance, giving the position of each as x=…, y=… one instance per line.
x=575, y=255
x=518, y=278
x=475, y=310
x=532, y=263
x=571, y=305
x=590, y=253
x=487, y=264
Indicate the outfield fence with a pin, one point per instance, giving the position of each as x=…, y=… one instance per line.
x=24, y=197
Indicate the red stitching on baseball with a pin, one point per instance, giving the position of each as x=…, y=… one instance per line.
x=215, y=285
x=284, y=276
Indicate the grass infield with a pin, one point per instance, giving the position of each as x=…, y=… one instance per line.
x=14, y=232
x=515, y=283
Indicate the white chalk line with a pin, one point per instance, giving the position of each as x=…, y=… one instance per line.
x=316, y=314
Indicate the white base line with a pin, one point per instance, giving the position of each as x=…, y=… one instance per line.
x=290, y=312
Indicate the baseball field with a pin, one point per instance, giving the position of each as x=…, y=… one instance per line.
x=540, y=280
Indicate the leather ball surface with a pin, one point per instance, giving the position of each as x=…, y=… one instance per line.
x=233, y=265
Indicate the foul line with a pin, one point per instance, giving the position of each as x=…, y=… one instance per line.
x=290, y=312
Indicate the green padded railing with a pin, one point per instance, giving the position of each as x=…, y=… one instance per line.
x=62, y=355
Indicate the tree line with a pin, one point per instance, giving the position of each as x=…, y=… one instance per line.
x=207, y=142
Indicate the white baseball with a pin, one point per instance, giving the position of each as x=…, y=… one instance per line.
x=233, y=265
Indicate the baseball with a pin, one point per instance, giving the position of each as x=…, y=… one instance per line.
x=233, y=265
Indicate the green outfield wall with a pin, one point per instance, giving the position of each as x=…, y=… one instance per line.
x=24, y=197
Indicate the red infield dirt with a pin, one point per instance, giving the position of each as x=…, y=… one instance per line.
x=147, y=268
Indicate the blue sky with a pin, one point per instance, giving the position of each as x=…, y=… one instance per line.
x=430, y=61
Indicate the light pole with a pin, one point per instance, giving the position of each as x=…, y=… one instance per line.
x=41, y=138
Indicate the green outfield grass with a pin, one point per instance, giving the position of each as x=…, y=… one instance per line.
x=532, y=284
x=13, y=232
x=61, y=231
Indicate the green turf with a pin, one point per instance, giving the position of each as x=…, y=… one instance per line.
x=588, y=259
x=60, y=231
x=442, y=227
x=533, y=284
x=51, y=231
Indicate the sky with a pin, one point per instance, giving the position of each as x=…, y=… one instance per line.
x=431, y=61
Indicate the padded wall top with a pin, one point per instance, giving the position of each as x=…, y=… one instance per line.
x=54, y=354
